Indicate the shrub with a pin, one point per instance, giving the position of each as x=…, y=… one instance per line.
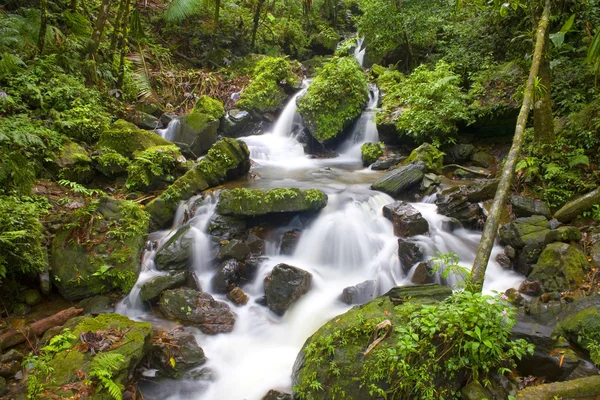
x=150, y=165
x=370, y=152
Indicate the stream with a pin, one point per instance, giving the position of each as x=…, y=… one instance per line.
x=348, y=243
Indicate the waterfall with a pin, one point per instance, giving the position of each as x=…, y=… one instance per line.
x=285, y=122
x=170, y=131
x=359, y=51
x=364, y=129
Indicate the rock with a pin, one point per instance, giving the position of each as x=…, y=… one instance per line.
x=504, y=261
x=145, y=121
x=235, y=122
x=451, y=225
x=176, y=253
x=255, y=243
x=510, y=252
x=44, y=277
x=409, y=254
x=527, y=258
x=474, y=391
x=167, y=118
x=238, y=296
x=149, y=108
x=253, y=202
x=284, y=286
x=482, y=159
x=103, y=262
x=565, y=234
x=458, y=153
x=3, y=387
x=561, y=267
x=514, y=297
x=406, y=219
x=400, y=180
x=174, y=353
x=227, y=159
x=226, y=228
x=9, y=369
x=460, y=202
x=429, y=156
x=126, y=139
x=11, y=355
x=198, y=309
x=32, y=297
x=421, y=274
x=194, y=134
x=370, y=152
x=580, y=323
x=523, y=231
x=583, y=388
x=359, y=294
x=572, y=209
x=386, y=163
x=96, y=305
x=110, y=163
x=289, y=241
x=152, y=289
x=430, y=182
x=526, y=207
x=233, y=249
x=74, y=163
x=277, y=395
x=531, y=288
x=228, y=273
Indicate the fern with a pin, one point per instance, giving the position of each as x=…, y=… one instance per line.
x=578, y=158
x=103, y=368
x=553, y=170
x=181, y=9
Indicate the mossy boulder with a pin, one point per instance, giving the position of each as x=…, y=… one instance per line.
x=235, y=122
x=176, y=253
x=99, y=249
x=153, y=168
x=334, y=99
x=560, y=267
x=523, y=206
x=406, y=219
x=126, y=139
x=151, y=289
x=174, y=353
x=253, y=202
x=110, y=163
x=581, y=324
x=74, y=163
x=226, y=160
x=209, y=106
x=195, y=133
x=400, y=180
x=525, y=231
x=284, y=286
x=582, y=388
x=123, y=336
x=370, y=152
x=565, y=234
x=430, y=156
x=574, y=208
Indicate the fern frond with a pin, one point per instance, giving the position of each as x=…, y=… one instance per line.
x=181, y=9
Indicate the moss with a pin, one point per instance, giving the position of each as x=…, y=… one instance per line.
x=126, y=139
x=110, y=163
x=334, y=99
x=429, y=155
x=370, y=152
x=74, y=163
x=151, y=166
x=252, y=202
x=560, y=267
x=583, y=327
x=209, y=106
x=197, y=120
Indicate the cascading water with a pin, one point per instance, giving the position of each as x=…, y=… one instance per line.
x=359, y=51
x=170, y=131
x=364, y=129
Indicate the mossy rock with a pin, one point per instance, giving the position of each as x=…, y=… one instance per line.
x=525, y=231
x=561, y=267
x=400, y=180
x=152, y=289
x=195, y=133
x=125, y=138
x=226, y=160
x=133, y=342
x=370, y=152
x=99, y=249
x=153, y=167
x=582, y=388
x=209, y=106
x=110, y=163
x=253, y=202
x=574, y=208
x=335, y=99
x=74, y=163
x=581, y=326
x=430, y=156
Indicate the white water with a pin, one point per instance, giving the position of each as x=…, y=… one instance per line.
x=359, y=52
x=364, y=129
x=170, y=131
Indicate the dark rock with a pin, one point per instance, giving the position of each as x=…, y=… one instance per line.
x=152, y=289
x=198, y=309
x=574, y=208
x=97, y=305
x=284, y=286
x=289, y=241
x=32, y=297
x=561, y=267
x=526, y=207
x=277, y=395
x=399, y=180
x=250, y=267
x=451, y=225
x=565, y=234
x=228, y=273
x=421, y=274
x=527, y=258
x=359, y=294
x=482, y=159
x=9, y=369
x=583, y=388
x=510, y=252
x=145, y=121
x=194, y=134
x=409, y=254
x=11, y=355
x=458, y=153
x=175, y=352
x=167, y=118
x=226, y=228
x=504, y=261
x=595, y=248
x=406, y=219
x=531, y=288
x=3, y=386
x=386, y=163
x=430, y=182
x=235, y=122
x=233, y=249
x=523, y=231
x=514, y=297
x=460, y=202
x=238, y=296
x=580, y=322
x=256, y=244
x=176, y=253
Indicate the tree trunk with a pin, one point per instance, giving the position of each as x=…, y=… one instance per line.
x=122, y=42
x=543, y=121
x=43, y=25
x=117, y=26
x=493, y=221
x=99, y=27
x=256, y=21
x=74, y=5
x=217, y=12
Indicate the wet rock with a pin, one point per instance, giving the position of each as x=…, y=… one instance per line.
x=580, y=322
x=228, y=273
x=237, y=296
x=460, y=202
x=284, y=286
x=483, y=159
x=175, y=352
x=526, y=207
x=96, y=305
x=578, y=388
x=527, y=258
x=235, y=122
x=458, y=153
x=145, y=121
x=565, y=234
x=233, y=249
x=32, y=297
x=574, y=208
x=531, y=288
x=198, y=309
x=561, y=267
x=451, y=225
x=10, y=368
x=11, y=355
x=421, y=274
x=256, y=244
x=406, y=219
x=289, y=241
x=194, y=134
x=429, y=156
x=504, y=261
x=430, y=182
x=510, y=252
x=152, y=289
x=514, y=297
x=523, y=231
x=226, y=228
x=277, y=395
x=253, y=202
x=176, y=253
x=386, y=163
x=359, y=294
x=400, y=179
x=409, y=254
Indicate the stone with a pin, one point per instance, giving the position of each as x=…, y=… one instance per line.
x=228, y=273
x=574, y=208
x=531, y=288
x=580, y=322
x=483, y=159
x=126, y=139
x=526, y=207
x=32, y=297
x=584, y=388
x=510, y=251
x=561, y=267
x=458, y=153
x=430, y=182
x=74, y=163
x=238, y=297
x=145, y=121
x=194, y=134
x=176, y=253
x=406, y=219
x=474, y=391
x=151, y=290
x=451, y=225
x=461, y=202
x=399, y=180
x=514, y=297
x=289, y=241
x=359, y=294
x=254, y=202
x=97, y=305
x=235, y=122
x=504, y=261
x=197, y=309
x=233, y=249
x=11, y=355
x=386, y=163
x=409, y=254
x=523, y=231
x=565, y=234
x=429, y=156
x=226, y=228
x=277, y=395
x=10, y=368
x=284, y=286
x=527, y=257
x=421, y=274
x=175, y=352
x=3, y=387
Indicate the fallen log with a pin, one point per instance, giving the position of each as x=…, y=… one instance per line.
x=15, y=336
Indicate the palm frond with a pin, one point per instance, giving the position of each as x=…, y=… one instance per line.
x=181, y=9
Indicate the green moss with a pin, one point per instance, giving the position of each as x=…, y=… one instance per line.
x=209, y=106
x=334, y=99
x=251, y=202
x=126, y=139
x=583, y=327
x=74, y=163
x=429, y=155
x=110, y=163
x=560, y=267
x=152, y=165
x=370, y=152
x=197, y=120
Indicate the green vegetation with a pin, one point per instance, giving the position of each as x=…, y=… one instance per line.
x=151, y=164
x=370, y=152
x=209, y=106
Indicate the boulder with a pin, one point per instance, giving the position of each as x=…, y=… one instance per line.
x=227, y=159
x=228, y=273
x=565, y=234
x=289, y=241
x=126, y=139
x=406, y=219
x=458, y=153
x=359, y=294
x=235, y=122
x=226, y=228
x=253, y=202
x=430, y=182
x=526, y=207
x=572, y=209
x=32, y=297
x=233, y=249
x=175, y=352
x=145, y=121
x=482, y=159
x=104, y=261
x=503, y=261
x=524, y=231
x=277, y=395
x=110, y=163
x=198, y=309
x=561, y=267
x=461, y=202
x=194, y=134
x=97, y=305
x=284, y=286
x=421, y=274
x=429, y=156
x=176, y=253
x=595, y=248
x=238, y=297
x=400, y=179
x=527, y=257
x=152, y=289
x=583, y=388
x=370, y=152
x=386, y=163
x=74, y=163
x=409, y=254
x=580, y=323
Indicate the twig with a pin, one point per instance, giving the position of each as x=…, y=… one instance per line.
x=387, y=325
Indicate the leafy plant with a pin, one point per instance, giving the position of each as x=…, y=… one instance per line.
x=103, y=367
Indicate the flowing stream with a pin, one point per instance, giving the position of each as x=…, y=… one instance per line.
x=348, y=243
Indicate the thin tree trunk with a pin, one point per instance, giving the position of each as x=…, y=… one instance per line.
x=122, y=42
x=256, y=21
x=99, y=27
x=217, y=12
x=74, y=5
x=543, y=121
x=43, y=25
x=493, y=221
x=117, y=26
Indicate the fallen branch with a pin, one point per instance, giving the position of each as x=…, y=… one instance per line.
x=468, y=170
x=384, y=325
